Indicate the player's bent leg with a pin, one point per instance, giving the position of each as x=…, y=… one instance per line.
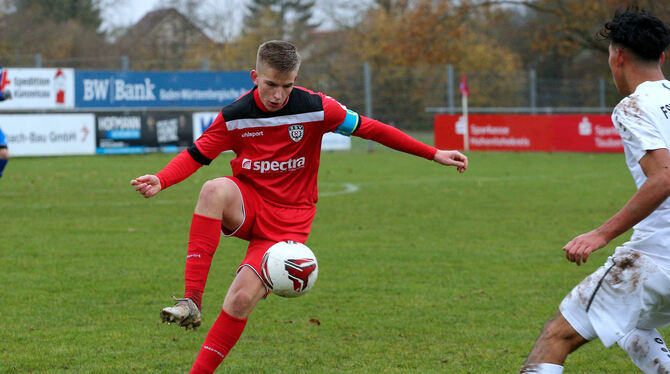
x=220, y=198
x=219, y=203
x=203, y=240
x=243, y=295
x=557, y=339
x=647, y=350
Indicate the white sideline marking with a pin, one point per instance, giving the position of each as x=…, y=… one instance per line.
x=465, y=178
x=348, y=188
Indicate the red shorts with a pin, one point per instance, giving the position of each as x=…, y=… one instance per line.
x=265, y=224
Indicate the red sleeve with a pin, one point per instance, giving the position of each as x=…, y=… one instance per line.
x=180, y=168
x=393, y=138
x=334, y=113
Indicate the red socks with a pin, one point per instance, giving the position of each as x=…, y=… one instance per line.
x=219, y=341
x=202, y=242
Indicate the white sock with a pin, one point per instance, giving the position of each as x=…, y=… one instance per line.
x=541, y=369
x=647, y=350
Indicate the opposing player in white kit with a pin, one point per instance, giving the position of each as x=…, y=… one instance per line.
x=626, y=299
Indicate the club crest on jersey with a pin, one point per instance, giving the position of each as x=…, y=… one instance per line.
x=296, y=132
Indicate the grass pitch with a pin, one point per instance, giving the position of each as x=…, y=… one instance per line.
x=421, y=270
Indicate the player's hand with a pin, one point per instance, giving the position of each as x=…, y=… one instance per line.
x=147, y=185
x=579, y=248
x=452, y=158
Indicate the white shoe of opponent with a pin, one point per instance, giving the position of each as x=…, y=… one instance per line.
x=184, y=313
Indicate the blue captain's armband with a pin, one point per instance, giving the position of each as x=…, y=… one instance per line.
x=350, y=124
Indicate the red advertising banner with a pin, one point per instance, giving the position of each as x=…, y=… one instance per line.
x=564, y=133
x=579, y=133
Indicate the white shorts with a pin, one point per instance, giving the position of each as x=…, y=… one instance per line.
x=629, y=291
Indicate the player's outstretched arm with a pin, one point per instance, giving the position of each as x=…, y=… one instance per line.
x=178, y=169
x=452, y=158
x=578, y=249
x=147, y=185
x=396, y=139
x=655, y=190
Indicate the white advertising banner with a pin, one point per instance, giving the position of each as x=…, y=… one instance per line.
x=335, y=142
x=36, y=88
x=330, y=142
x=49, y=134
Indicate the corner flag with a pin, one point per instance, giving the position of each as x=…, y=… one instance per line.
x=465, y=91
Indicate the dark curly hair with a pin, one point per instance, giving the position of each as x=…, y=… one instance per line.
x=634, y=28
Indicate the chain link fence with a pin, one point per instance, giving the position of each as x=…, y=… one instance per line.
x=405, y=97
x=409, y=97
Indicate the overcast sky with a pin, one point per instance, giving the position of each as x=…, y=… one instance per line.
x=127, y=12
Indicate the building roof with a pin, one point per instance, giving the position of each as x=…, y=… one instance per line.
x=147, y=24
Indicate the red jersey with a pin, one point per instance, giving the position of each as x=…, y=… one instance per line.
x=278, y=152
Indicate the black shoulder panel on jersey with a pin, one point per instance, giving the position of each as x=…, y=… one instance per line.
x=300, y=101
x=240, y=108
x=303, y=101
x=197, y=156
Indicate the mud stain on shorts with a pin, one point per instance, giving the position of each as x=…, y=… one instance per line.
x=585, y=289
x=628, y=263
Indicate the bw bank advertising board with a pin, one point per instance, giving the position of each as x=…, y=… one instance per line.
x=119, y=89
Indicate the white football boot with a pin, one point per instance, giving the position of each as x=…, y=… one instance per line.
x=184, y=313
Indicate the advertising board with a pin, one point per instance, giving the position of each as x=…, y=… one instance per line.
x=563, y=133
x=49, y=134
x=119, y=133
x=37, y=88
x=145, y=89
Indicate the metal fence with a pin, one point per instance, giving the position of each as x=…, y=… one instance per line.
x=409, y=97
x=406, y=97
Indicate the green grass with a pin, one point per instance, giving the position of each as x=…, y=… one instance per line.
x=421, y=270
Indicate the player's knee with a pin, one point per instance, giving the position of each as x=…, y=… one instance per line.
x=558, y=331
x=240, y=303
x=4, y=153
x=218, y=191
x=552, y=329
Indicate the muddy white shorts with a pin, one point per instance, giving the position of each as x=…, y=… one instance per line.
x=628, y=291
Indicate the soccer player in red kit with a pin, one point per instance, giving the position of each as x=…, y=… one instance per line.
x=275, y=131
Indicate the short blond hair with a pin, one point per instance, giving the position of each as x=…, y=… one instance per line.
x=279, y=55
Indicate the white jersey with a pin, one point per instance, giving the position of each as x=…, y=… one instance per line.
x=643, y=121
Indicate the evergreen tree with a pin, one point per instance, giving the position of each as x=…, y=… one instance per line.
x=85, y=12
x=59, y=30
x=281, y=19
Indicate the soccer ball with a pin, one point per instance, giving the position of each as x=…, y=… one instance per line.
x=289, y=269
